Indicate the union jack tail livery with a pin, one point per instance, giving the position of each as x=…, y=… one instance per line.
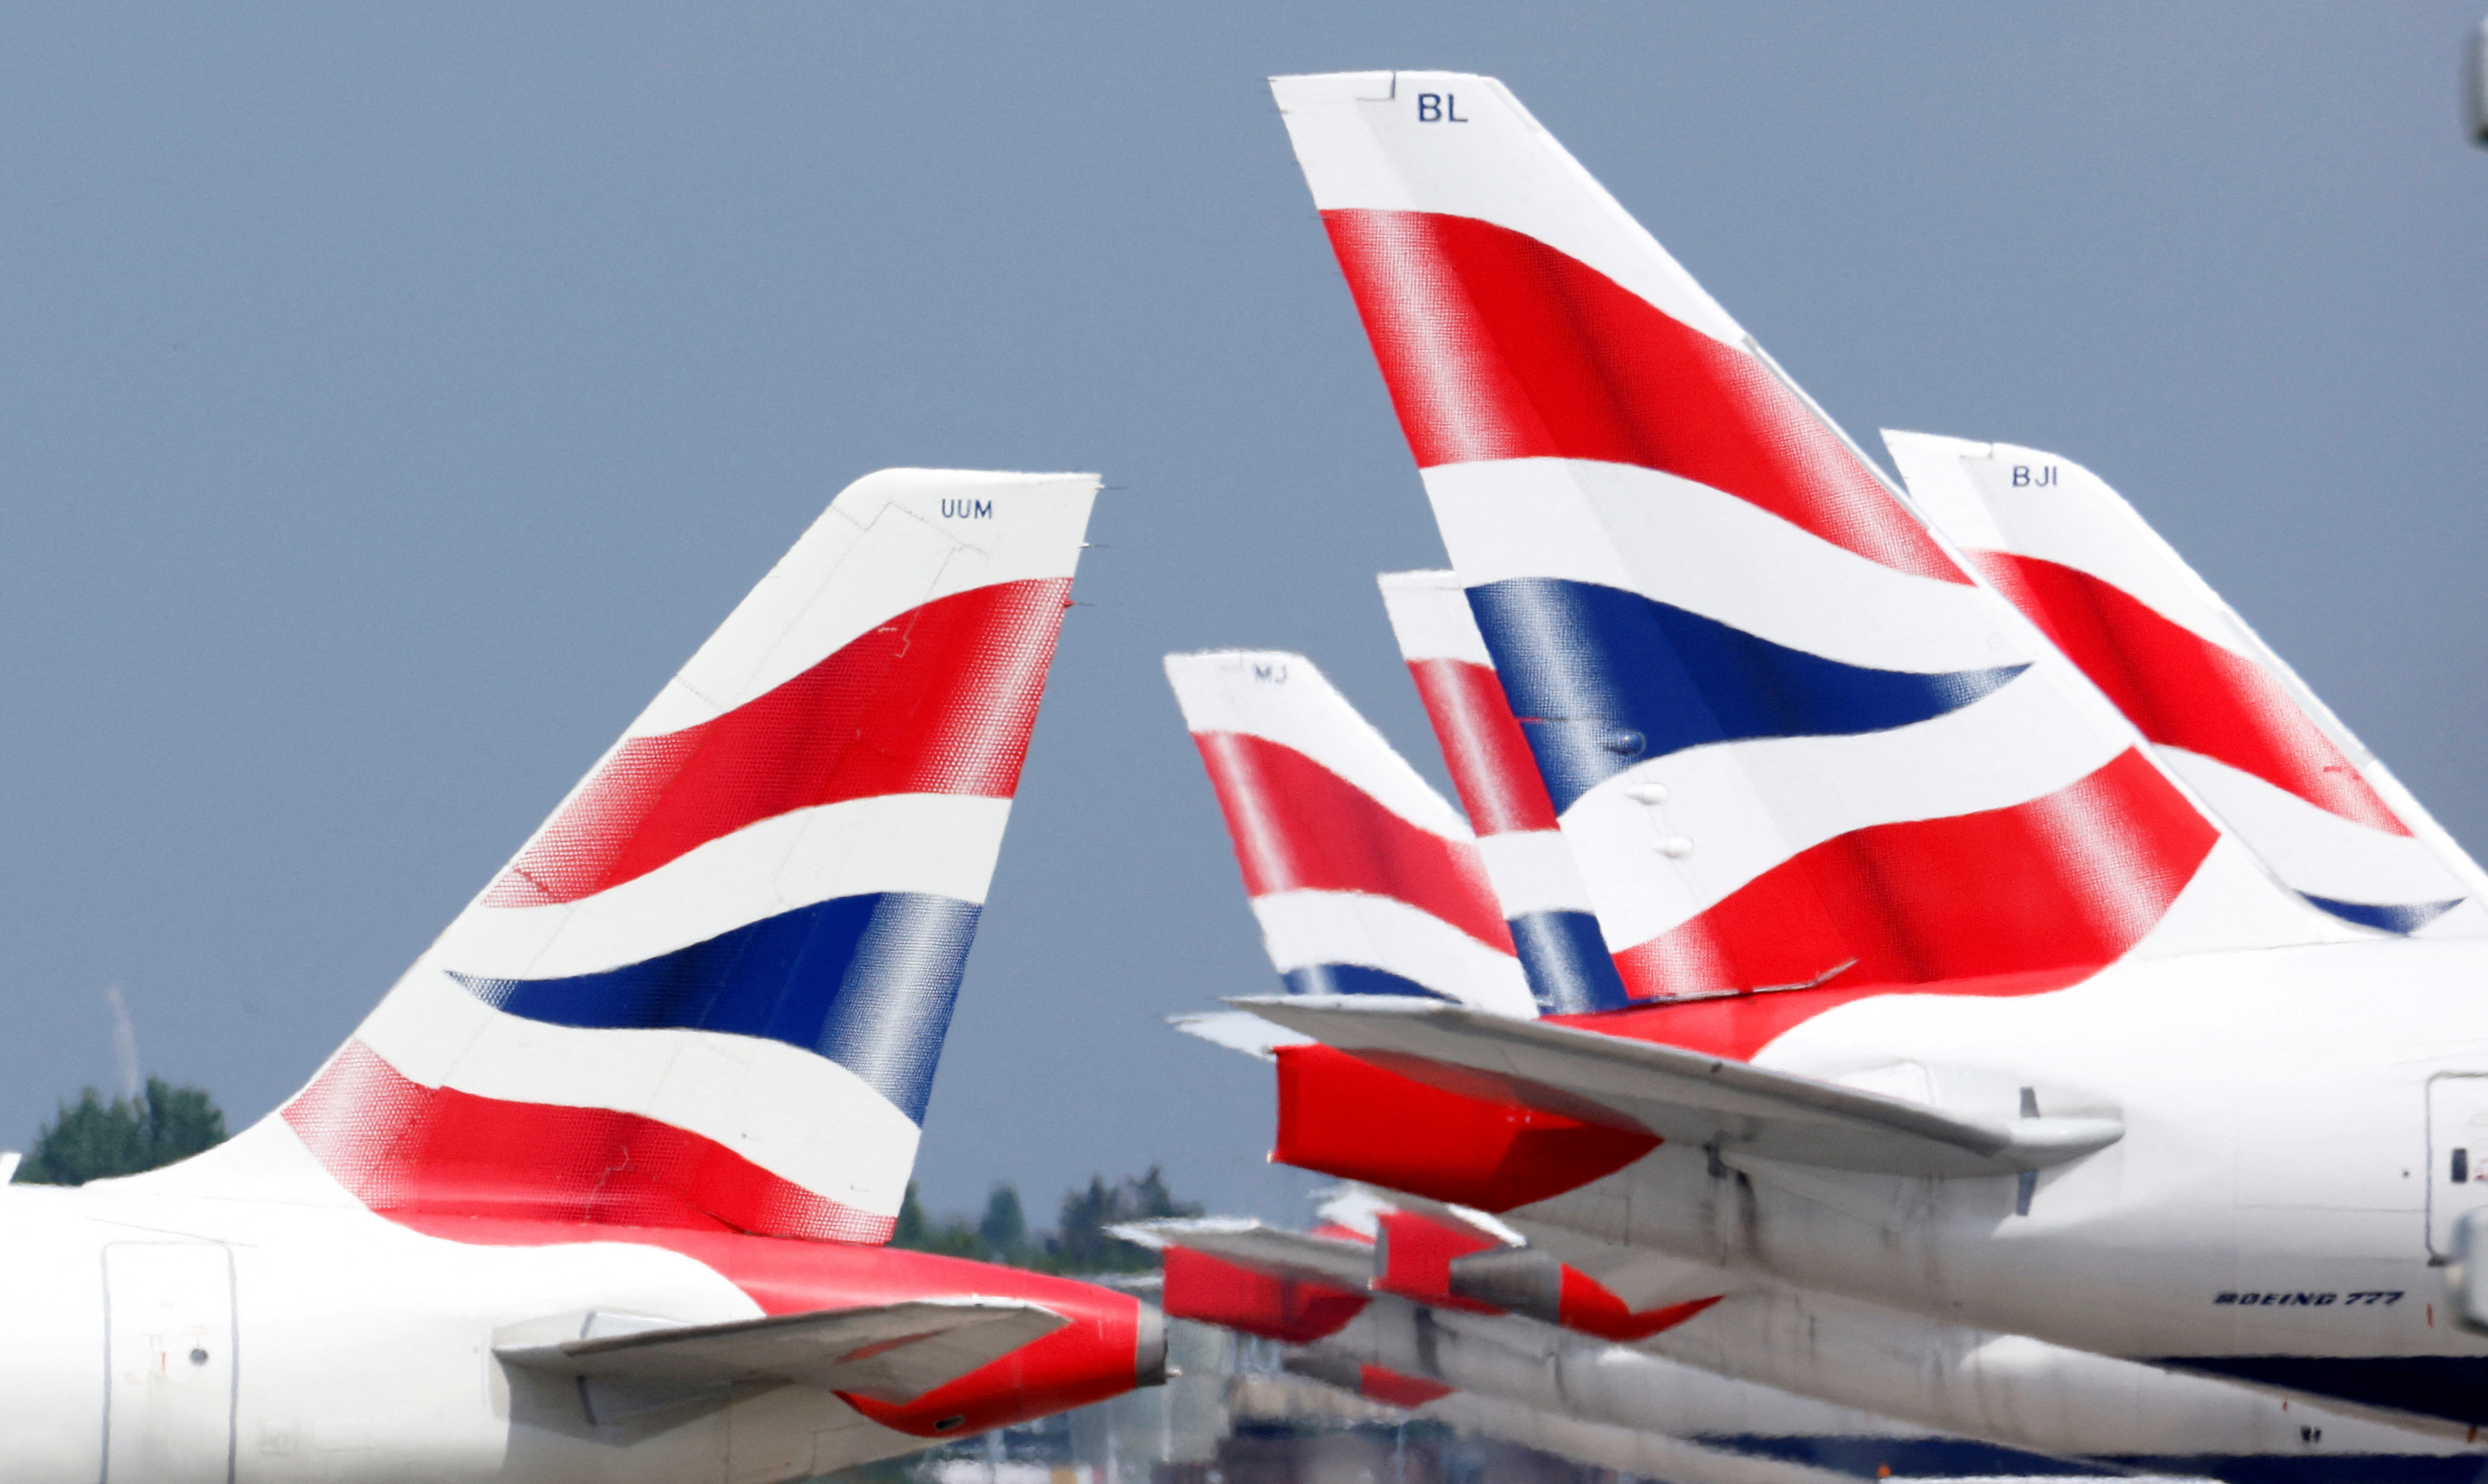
x=1544, y=903
x=1992, y=950
x=2219, y=706
x=1363, y=879
x=1791, y=742
x=711, y=989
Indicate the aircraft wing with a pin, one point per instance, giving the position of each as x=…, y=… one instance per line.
x=1249, y=1244
x=1684, y=1096
x=891, y=1353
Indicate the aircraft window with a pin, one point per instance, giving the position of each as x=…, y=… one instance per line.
x=2461, y=1166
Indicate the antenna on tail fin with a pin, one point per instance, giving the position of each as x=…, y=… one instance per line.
x=710, y=992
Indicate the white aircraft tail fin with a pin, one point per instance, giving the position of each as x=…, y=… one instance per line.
x=1793, y=745
x=711, y=989
x=1363, y=879
x=2221, y=709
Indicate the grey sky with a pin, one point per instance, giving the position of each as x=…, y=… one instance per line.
x=394, y=396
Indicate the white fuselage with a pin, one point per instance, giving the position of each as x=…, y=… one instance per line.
x=2273, y=1194
x=186, y=1339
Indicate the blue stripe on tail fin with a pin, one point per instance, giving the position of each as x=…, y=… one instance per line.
x=1603, y=679
x=866, y=981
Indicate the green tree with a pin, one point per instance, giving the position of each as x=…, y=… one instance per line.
x=91, y=1140
x=1079, y=1244
x=1151, y=1200
x=1082, y=1245
x=1004, y=1228
x=913, y=1226
x=919, y=1232
x=1080, y=1241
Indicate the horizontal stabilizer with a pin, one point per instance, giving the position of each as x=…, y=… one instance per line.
x=1683, y=1096
x=1236, y=1031
x=1268, y=1250
x=891, y=1353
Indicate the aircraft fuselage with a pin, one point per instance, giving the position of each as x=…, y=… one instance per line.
x=171, y=1338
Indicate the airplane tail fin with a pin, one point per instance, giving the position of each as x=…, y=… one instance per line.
x=2219, y=707
x=1793, y=742
x=1363, y=879
x=1544, y=903
x=711, y=989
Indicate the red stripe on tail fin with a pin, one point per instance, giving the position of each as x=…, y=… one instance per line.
x=2181, y=691
x=1298, y=826
x=406, y=1150
x=936, y=700
x=2012, y=901
x=1496, y=345
x=1488, y=755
